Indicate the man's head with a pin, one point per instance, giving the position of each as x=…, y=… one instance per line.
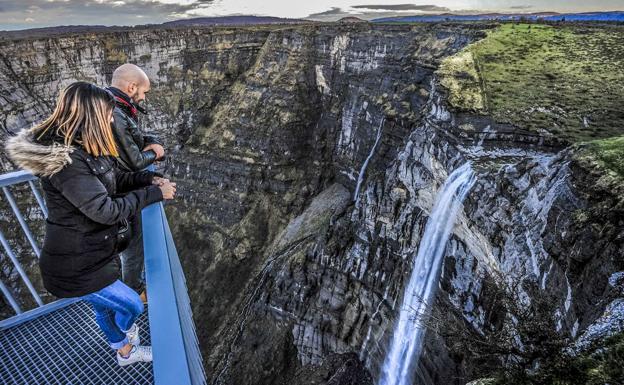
x=132, y=80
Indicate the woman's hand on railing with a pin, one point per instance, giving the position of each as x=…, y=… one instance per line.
x=168, y=190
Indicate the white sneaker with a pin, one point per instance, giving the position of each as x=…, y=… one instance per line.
x=137, y=354
x=133, y=335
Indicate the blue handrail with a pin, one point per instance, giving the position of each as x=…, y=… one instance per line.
x=14, y=177
x=177, y=358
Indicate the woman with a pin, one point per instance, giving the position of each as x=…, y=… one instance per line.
x=88, y=198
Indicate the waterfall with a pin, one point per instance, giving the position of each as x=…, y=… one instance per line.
x=365, y=164
x=407, y=338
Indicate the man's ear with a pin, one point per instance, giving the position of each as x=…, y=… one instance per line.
x=132, y=89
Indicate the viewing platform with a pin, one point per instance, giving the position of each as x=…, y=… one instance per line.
x=60, y=343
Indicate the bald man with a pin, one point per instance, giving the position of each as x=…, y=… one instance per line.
x=137, y=150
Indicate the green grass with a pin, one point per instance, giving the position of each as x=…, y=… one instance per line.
x=606, y=154
x=610, y=153
x=566, y=81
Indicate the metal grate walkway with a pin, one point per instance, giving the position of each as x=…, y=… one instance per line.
x=66, y=346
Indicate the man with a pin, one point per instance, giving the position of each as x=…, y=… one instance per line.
x=136, y=151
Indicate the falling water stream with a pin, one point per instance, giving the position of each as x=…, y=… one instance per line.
x=365, y=164
x=408, y=334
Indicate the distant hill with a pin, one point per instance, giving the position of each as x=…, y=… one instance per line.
x=351, y=19
x=58, y=30
x=200, y=21
x=230, y=20
x=617, y=16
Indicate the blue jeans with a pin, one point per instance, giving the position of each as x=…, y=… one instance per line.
x=116, y=308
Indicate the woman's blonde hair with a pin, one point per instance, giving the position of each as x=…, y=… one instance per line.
x=82, y=113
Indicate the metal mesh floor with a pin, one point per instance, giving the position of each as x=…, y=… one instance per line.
x=67, y=347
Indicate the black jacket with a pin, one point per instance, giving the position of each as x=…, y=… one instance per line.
x=130, y=138
x=87, y=197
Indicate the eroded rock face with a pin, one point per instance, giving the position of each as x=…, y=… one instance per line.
x=336, y=369
x=268, y=130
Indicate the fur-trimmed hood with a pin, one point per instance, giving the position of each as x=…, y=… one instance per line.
x=40, y=159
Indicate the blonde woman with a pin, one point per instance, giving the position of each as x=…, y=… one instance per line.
x=74, y=153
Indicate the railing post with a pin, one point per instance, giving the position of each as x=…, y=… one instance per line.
x=18, y=267
x=20, y=219
x=40, y=201
x=7, y=294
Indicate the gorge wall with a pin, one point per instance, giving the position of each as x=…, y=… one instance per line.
x=270, y=131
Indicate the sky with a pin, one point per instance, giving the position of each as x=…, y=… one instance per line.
x=21, y=14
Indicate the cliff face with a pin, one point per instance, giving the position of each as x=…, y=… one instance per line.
x=308, y=159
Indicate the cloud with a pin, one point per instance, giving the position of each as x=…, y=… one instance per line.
x=334, y=11
x=374, y=11
x=521, y=7
x=94, y=11
x=403, y=7
x=149, y=6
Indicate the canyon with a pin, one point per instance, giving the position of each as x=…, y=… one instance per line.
x=308, y=159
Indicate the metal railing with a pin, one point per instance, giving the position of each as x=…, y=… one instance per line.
x=6, y=181
x=174, y=341
x=177, y=357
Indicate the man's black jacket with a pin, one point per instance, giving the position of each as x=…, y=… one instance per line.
x=130, y=138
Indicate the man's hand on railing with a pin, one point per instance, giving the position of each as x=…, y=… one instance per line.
x=158, y=181
x=157, y=148
x=168, y=189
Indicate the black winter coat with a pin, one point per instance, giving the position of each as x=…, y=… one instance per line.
x=87, y=198
x=130, y=138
